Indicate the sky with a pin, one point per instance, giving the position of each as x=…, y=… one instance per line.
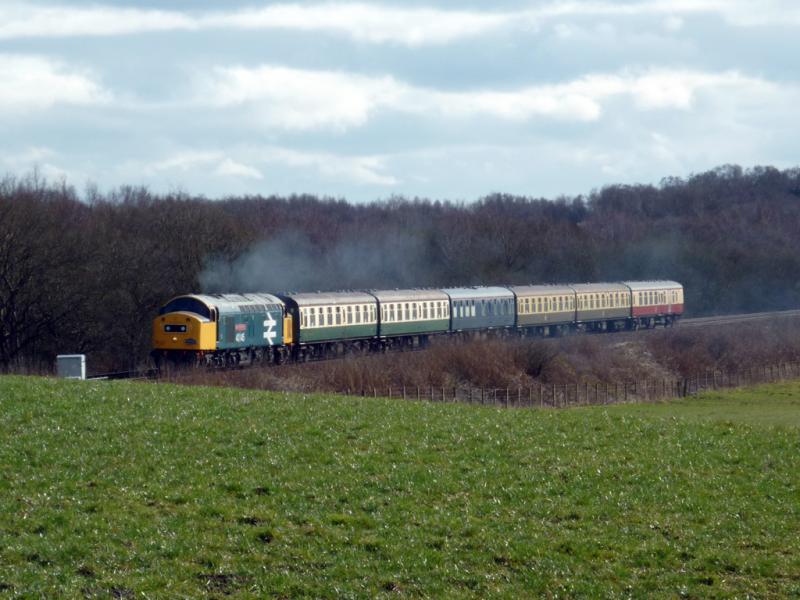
x=367, y=101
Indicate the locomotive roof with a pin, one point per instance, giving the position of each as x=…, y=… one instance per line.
x=661, y=284
x=226, y=303
x=324, y=298
x=535, y=290
x=414, y=295
x=583, y=288
x=479, y=292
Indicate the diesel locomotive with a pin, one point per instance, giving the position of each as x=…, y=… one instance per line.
x=239, y=329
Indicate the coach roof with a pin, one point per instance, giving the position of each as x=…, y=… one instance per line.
x=413, y=295
x=478, y=293
x=653, y=285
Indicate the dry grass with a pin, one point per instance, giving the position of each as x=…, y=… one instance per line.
x=498, y=363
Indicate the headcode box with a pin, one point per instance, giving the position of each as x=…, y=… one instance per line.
x=71, y=366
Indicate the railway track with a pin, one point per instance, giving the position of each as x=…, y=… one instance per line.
x=694, y=322
x=727, y=319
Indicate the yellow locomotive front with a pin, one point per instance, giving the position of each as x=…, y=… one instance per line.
x=184, y=331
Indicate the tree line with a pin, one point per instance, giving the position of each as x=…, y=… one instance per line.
x=87, y=272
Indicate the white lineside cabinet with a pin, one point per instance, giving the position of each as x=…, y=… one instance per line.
x=71, y=366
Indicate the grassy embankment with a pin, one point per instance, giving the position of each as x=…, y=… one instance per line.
x=136, y=490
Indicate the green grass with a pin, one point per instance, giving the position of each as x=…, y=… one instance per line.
x=137, y=490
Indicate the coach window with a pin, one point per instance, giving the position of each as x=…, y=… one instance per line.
x=414, y=312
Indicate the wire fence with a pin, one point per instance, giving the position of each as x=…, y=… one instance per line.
x=584, y=393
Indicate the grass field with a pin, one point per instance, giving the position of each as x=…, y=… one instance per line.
x=123, y=490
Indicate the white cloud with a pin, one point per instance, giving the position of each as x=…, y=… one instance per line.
x=297, y=99
x=286, y=98
x=359, y=170
x=355, y=169
x=364, y=22
x=370, y=23
x=673, y=23
x=190, y=161
x=185, y=161
x=32, y=82
x=232, y=168
x=20, y=20
x=361, y=22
